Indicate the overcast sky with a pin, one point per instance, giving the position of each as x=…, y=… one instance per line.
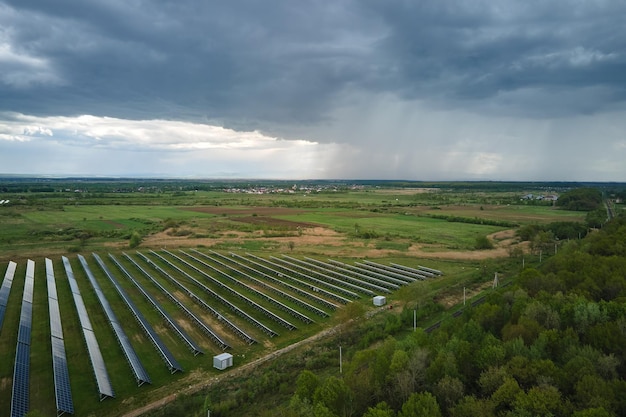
x=363, y=89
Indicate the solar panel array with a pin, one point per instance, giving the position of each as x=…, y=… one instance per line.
x=21, y=370
x=314, y=284
x=243, y=263
x=103, y=382
x=250, y=302
x=219, y=259
x=157, y=306
x=228, y=323
x=223, y=300
x=196, y=320
x=5, y=290
x=293, y=286
x=162, y=349
x=276, y=303
x=62, y=391
x=139, y=372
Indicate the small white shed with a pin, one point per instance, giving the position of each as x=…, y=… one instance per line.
x=222, y=361
x=380, y=300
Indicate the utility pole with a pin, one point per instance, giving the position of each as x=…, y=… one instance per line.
x=340, y=364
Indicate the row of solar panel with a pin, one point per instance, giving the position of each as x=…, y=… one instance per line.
x=168, y=319
x=21, y=370
x=105, y=389
x=302, y=317
x=163, y=350
x=140, y=373
x=62, y=391
x=243, y=314
x=226, y=262
x=229, y=324
x=195, y=319
x=275, y=317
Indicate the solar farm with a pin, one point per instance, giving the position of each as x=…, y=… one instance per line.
x=166, y=313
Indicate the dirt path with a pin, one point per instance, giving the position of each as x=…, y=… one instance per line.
x=198, y=386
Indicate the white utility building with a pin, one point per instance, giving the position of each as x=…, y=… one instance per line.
x=380, y=300
x=223, y=361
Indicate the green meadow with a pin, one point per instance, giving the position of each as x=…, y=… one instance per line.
x=385, y=224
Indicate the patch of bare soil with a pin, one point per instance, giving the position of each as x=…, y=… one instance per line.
x=5, y=383
x=320, y=237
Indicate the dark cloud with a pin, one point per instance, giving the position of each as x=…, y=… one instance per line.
x=475, y=50
x=256, y=63
x=416, y=89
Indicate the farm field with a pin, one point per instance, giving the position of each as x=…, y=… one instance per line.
x=186, y=244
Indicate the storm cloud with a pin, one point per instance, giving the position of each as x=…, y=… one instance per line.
x=395, y=89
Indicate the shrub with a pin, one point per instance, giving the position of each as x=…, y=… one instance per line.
x=483, y=242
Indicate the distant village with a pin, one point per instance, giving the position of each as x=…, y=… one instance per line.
x=550, y=197
x=306, y=189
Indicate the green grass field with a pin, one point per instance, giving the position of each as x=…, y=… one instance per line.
x=362, y=221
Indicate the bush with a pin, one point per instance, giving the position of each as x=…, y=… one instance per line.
x=483, y=242
x=135, y=240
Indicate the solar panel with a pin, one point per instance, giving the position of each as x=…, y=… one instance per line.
x=97, y=362
x=23, y=334
x=55, y=319
x=168, y=319
x=2, y=310
x=30, y=281
x=165, y=353
x=62, y=391
x=206, y=329
x=74, y=286
x=21, y=377
x=6, y=283
x=239, y=332
x=131, y=356
x=82, y=312
x=99, y=368
x=22, y=354
x=52, y=288
x=140, y=373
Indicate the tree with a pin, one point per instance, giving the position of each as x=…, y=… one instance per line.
x=335, y=395
x=580, y=199
x=135, y=240
x=306, y=385
x=420, y=404
x=470, y=406
x=381, y=410
x=542, y=242
x=449, y=391
x=539, y=401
